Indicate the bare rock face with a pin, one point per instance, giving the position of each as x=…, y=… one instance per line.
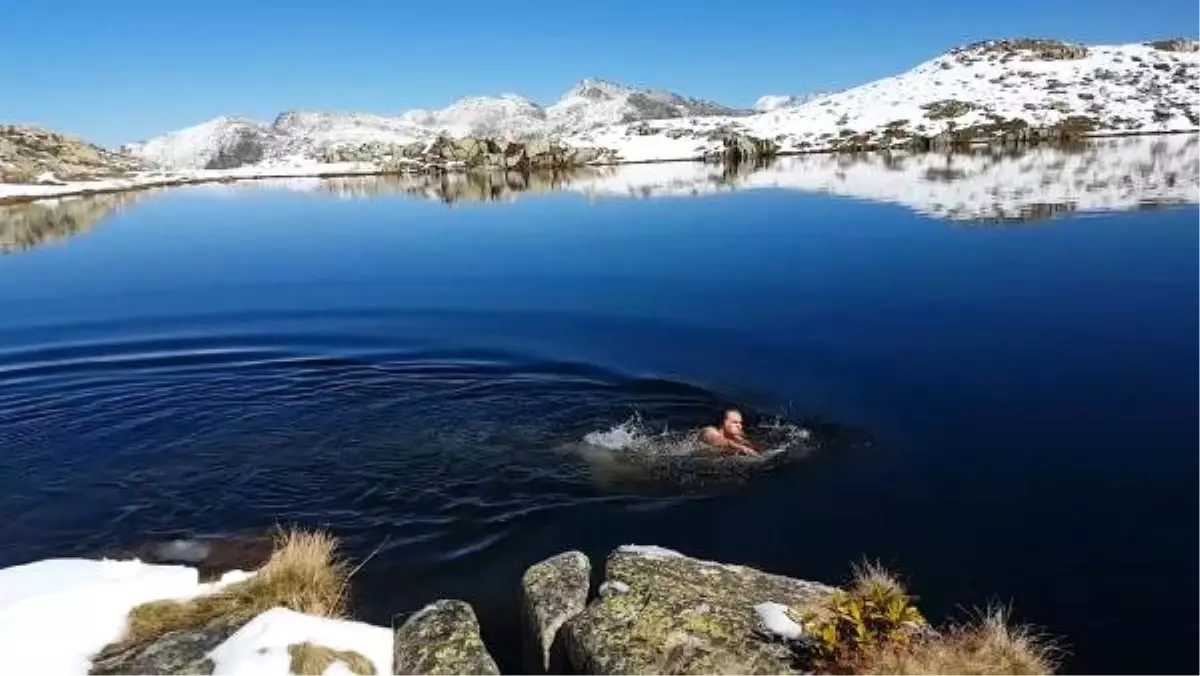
x=660, y=612
x=32, y=155
x=442, y=638
x=553, y=592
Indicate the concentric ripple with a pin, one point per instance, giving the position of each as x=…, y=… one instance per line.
x=125, y=435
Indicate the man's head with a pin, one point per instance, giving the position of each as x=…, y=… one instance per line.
x=731, y=423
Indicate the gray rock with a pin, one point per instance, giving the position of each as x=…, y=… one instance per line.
x=666, y=613
x=179, y=652
x=442, y=638
x=247, y=145
x=737, y=147
x=553, y=592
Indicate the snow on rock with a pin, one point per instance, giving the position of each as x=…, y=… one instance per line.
x=261, y=646
x=648, y=551
x=217, y=144
x=775, y=619
x=56, y=613
x=769, y=102
x=508, y=116
x=595, y=102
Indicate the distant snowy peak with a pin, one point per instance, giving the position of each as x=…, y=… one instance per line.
x=769, y=102
x=594, y=102
x=507, y=115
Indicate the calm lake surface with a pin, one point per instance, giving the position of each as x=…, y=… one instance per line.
x=997, y=356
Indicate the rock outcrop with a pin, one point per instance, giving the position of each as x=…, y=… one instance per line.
x=662, y=612
x=737, y=147
x=487, y=154
x=1176, y=45
x=1027, y=49
x=442, y=638
x=33, y=155
x=553, y=592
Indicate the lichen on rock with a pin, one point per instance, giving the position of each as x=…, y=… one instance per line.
x=681, y=615
x=442, y=638
x=553, y=592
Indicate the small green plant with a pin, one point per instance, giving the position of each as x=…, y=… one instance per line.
x=875, y=611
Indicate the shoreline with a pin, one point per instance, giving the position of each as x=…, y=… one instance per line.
x=16, y=193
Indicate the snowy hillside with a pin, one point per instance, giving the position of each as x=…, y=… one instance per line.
x=770, y=102
x=987, y=89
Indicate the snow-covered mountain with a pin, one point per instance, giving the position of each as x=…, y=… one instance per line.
x=998, y=89
x=981, y=91
x=590, y=103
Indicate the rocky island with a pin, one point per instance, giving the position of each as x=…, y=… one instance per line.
x=999, y=93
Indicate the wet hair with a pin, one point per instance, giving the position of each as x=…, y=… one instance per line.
x=727, y=410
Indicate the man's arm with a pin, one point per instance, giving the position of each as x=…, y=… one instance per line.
x=715, y=438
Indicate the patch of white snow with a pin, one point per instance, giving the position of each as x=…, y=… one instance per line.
x=260, y=647
x=775, y=619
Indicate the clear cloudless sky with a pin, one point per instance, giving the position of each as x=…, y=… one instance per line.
x=120, y=71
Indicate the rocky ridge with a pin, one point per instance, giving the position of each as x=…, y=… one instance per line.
x=32, y=155
x=1000, y=93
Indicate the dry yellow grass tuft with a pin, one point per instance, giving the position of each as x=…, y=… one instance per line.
x=310, y=659
x=871, y=575
x=303, y=574
x=987, y=645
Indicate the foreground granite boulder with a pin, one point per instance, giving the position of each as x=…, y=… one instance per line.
x=179, y=652
x=660, y=612
x=553, y=592
x=441, y=638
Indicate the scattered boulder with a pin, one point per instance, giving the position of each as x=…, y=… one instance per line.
x=737, y=147
x=1176, y=45
x=947, y=109
x=553, y=592
x=442, y=638
x=666, y=613
x=1027, y=49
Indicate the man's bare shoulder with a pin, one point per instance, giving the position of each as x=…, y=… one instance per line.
x=713, y=436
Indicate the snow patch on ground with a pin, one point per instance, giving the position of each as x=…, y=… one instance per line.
x=55, y=614
x=260, y=647
x=775, y=619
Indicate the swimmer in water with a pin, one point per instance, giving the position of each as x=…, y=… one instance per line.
x=730, y=434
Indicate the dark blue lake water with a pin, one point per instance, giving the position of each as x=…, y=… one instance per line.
x=999, y=367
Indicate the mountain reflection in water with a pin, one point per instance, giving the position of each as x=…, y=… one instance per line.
x=983, y=187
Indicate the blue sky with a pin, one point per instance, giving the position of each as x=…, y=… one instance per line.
x=120, y=71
